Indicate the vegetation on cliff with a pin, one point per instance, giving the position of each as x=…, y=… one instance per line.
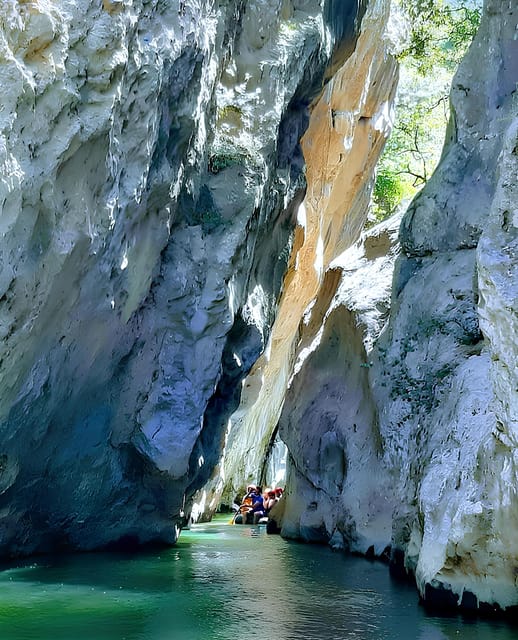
x=439, y=36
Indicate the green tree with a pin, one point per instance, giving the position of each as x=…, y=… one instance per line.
x=440, y=35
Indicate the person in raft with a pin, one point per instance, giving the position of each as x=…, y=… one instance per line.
x=255, y=506
x=258, y=507
x=270, y=500
x=244, y=511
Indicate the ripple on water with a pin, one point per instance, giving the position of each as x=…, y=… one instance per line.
x=220, y=582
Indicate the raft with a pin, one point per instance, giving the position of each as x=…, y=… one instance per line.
x=240, y=518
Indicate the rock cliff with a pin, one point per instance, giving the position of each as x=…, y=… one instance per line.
x=458, y=406
x=346, y=133
x=182, y=189
x=403, y=436
x=151, y=170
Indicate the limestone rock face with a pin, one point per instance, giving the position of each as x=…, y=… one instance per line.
x=448, y=405
x=179, y=277
x=348, y=128
x=339, y=491
x=413, y=442
x=149, y=152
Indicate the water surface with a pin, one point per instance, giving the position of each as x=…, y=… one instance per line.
x=221, y=582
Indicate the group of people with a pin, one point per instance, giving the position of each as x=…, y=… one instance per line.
x=256, y=504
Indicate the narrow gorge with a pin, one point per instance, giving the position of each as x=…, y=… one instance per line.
x=187, y=285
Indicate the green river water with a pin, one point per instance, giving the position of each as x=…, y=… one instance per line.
x=221, y=582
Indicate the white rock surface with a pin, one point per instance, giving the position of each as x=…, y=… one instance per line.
x=429, y=463
x=460, y=487
x=150, y=183
x=339, y=490
x=347, y=130
x=148, y=153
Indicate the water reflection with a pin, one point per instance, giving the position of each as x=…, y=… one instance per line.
x=221, y=582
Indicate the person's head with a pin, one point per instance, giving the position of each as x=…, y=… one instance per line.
x=250, y=488
x=278, y=492
x=271, y=494
x=258, y=490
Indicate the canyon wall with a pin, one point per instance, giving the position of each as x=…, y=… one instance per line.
x=458, y=409
x=348, y=128
x=402, y=434
x=182, y=190
x=150, y=176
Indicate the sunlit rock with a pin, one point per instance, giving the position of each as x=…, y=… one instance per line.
x=339, y=491
x=149, y=153
x=348, y=128
x=448, y=412
x=426, y=437
x=182, y=186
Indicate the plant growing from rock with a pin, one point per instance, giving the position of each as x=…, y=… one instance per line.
x=439, y=36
